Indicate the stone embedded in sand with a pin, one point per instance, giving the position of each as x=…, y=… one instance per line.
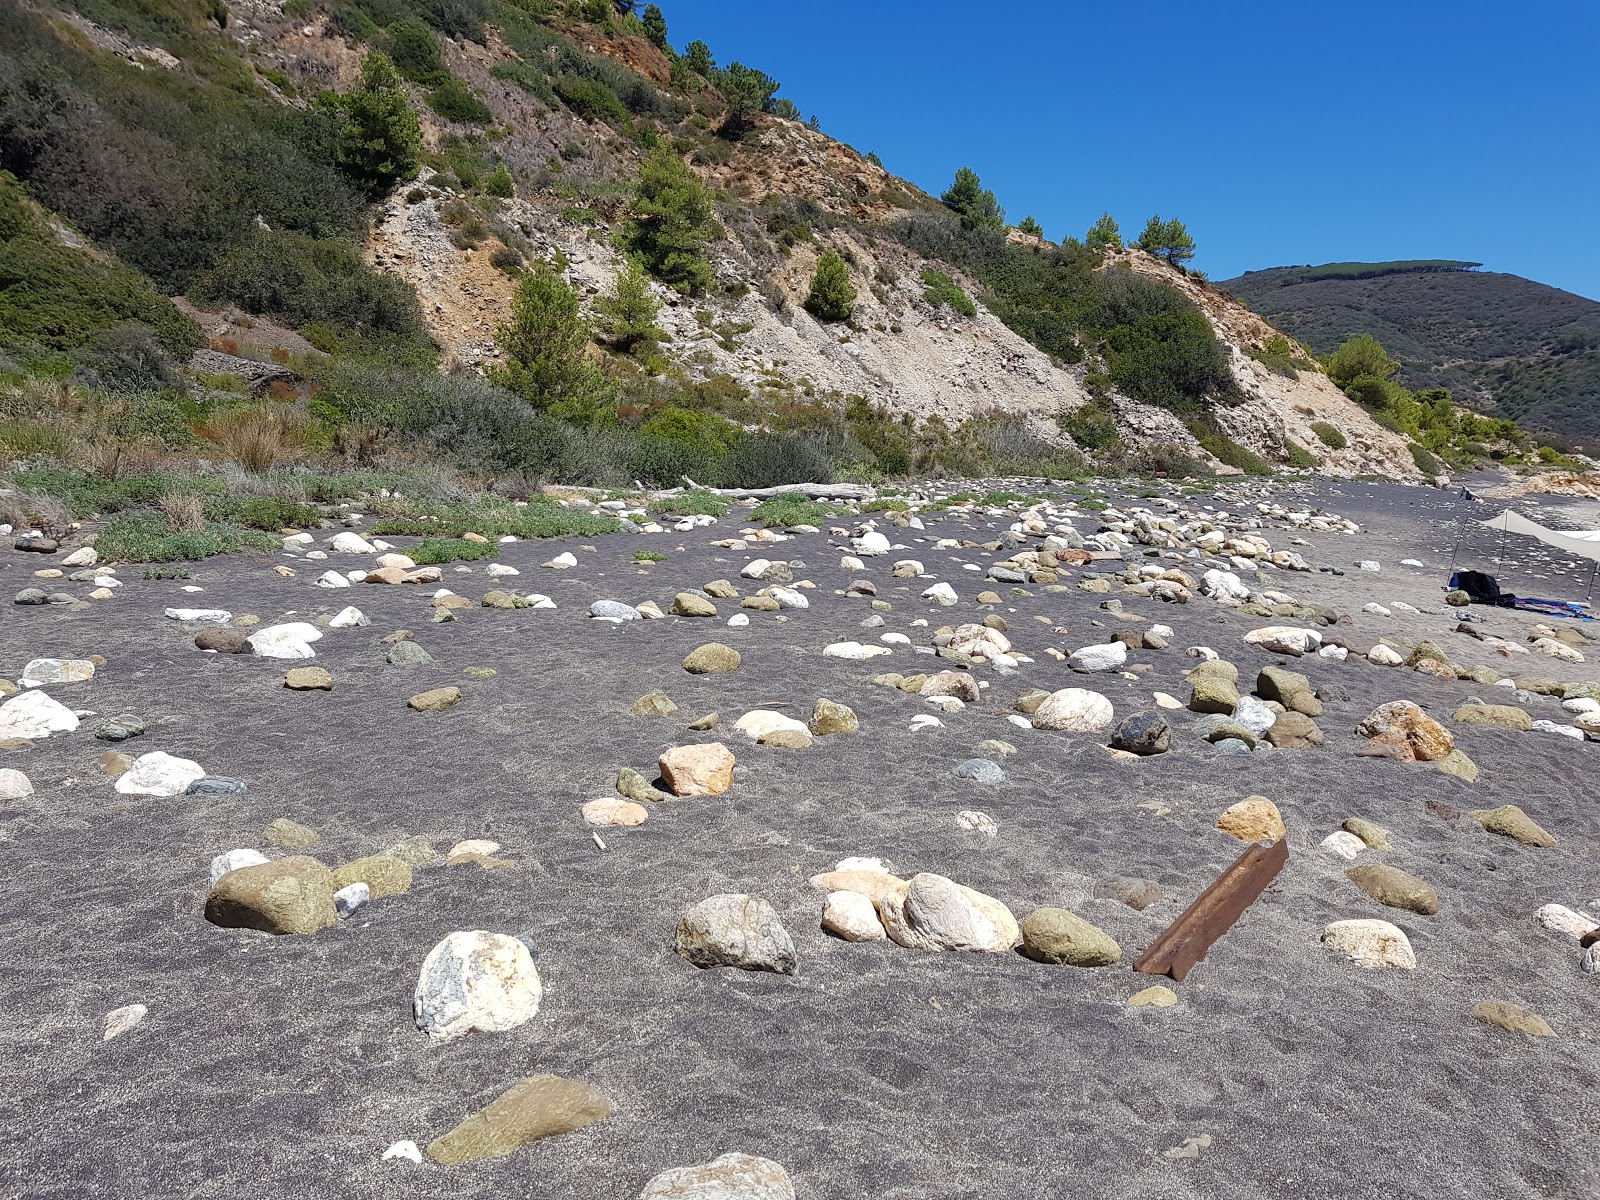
x=1458, y=764
x=408, y=654
x=224, y=641
x=1501, y=716
x=1510, y=821
x=1157, y=996
x=1373, y=835
x=436, y=700
x=291, y=640
x=290, y=834
x=120, y=728
x=1253, y=819
x=634, y=786
x=475, y=982
x=1056, y=936
x=159, y=774
x=1285, y=639
x=1105, y=657
x=114, y=763
x=830, y=717
x=1560, y=919
x=935, y=913
x=384, y=875
x=30, y=715
x=308, y=679
x=1343, y=844
x=980, y=770
x=852, y=916
x=714, y=658
x=540, y=1106
x=974, y=821
x=1384, y=656
x=14, y=785
x=1371, y=944
x=652, y=704
x=291, y=895
x=730, y=1177
x=1142, y=733
x=959, y=684
x=613, y=810
x=1512, y=1017
x=692, y=604
x=57, y=670
x=1395, y=888
x=220, y=616
x=351, y=899
x=1213, y=694
x=1282, y=685
x=699, y=770
x=120, y=1020
x=735, y=930
x=1295, y=731
x=234, y=860
x=1410, y=733
x=1074, y=710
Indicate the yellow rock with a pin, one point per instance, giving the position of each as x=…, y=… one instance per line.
x=1253, y=819
x=1159, y=996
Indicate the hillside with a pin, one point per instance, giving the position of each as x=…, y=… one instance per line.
x=1503, y=344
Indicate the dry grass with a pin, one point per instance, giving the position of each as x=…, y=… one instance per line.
x=30, y=510
x=184, y=513
x=258, y=439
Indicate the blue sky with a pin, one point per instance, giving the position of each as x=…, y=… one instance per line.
x=1280, y=133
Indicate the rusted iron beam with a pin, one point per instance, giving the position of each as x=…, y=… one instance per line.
x=1214, y=911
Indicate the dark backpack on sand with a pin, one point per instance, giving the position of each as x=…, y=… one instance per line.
x=1482, y=588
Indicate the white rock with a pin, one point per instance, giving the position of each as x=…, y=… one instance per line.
x=361, y=576
x=159, y=774
x=739, y=620
x=1566, y=731
x=1343, y=843
x=352, y=543
x=894, y=639
x=870, y=544
x=83, y=556
x=1367, y=564
x=935, y=913
x=788, y=597
x=1591, y=959
x=1254, y=715
x=349, y=618
x=332, y=579
x=758, y=723
x=1020, y=721
x=1383, y=656
x=232, y=861
x=912, y=567
x=941, y=593
x=977, y=822
x=295, y=540
x=1371, y=944
x=852, y=916
x=1560, y=919
x=213, y=616
x=1376, y=609
x=563, y=561
x=290, y=640
x=851, y=563
x=945, y=704
x=1579, y=705
x=1223, y=586
x=56, y=670
x=1337, y=653
x=406, y=1150
x=14, y=785
x=730, y=1177
x=1558, y=650
x=854, y=650
x=35, y=715
x=755, y=568
x=1285, y=639
x=351, y=897
x=474, y=981
x=1074, y=710
x=1203, y=653
x=1409, y=562
x=1107, y=656
x=403, y=562
x=925, y=721
x=860, y=863
x=107, y=581
x=500, y=571
x=120, y=1020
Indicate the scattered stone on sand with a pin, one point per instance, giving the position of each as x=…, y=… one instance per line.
x=114, y=763
x=652, y=704
x=692, y=604
x=540, y=1106
x=1373, y=835
x=1074, y=710
x=1142, y=733
x=1253, y=819
x=384, y=875
x=14, y=785
x=120, y=1020
x=233, y=860
x=291, y=835
x=614, y=810
x=1512, y=1017
x=977, y=822
x=57, y=670
x=32, y=715
x=1371, y=944
x=308, y=679
x=1510, y=821
x=287, y=896
x=1056, y=936
x=1395, y=888
x=1457, y=763
x=1406, y=732
x=1561, y=919
x=729, y=1177
x=291, y=640
x=852, y=916
x=935, y=913
x=350, y=899
x=714, y=658
x=120, y=728
x=1156, y=996
x=634, y=786
x=435, y=700
x=1500, y=716
x=159, y=774
x=224, y=641
x=735, y=930
x=474, y=981
x=829, y=717
x=1295, y=731
x=407, y=654
x=697, y=770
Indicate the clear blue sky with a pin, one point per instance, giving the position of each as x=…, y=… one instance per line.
x=1280, y=133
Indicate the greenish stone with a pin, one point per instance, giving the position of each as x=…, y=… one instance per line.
x=291, y=835
x=540, y=1106
x=384, y=875
x=713, y=658
x=1056, y=936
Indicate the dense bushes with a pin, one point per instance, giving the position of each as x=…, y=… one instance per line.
x=939, y=289
x=1328, y=435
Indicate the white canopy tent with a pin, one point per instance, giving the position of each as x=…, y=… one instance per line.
x=1584, y=544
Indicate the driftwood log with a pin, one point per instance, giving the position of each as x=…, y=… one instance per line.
x=816, y=491
x=1214, y=911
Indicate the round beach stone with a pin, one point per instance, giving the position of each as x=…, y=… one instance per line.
x=1056, y=936
x=735, y=930
x=830, y=717
x=1142, y=733
x=697, y=770
x=1395, y=888
x=308, y=679
x=1253, y=819
x=476, y=981
x=288, y=896
x=1074, y=710
x=714, y=658
x=614, y=810
x=1371, y=944
x=853, y=917
x=14, y=785
x=384, y=875
x=159, y=774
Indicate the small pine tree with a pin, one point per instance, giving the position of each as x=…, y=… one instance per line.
x=1031, y=227
x=976, y=206
x=698, y=55
x=673, y=219
x=380, y=140
x=1168, y=240
x=655, y=26
x=1104, y=234
x=545, y=346
x=628, y=314
x=872, y=157
x=499, y=182
x=748, y=92
x=832, y=298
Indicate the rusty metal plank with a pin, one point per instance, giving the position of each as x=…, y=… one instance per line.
x=1214, y=911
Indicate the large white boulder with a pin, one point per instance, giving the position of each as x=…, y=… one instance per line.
x=474, y=981
x=352, y=543
x=758, y=723
x=730, y=1177
x=935, y=913
x=1105, y=657
x=159, y=774
x=1372, y=944
x=1074, y=710
x=1285, y=639
x=35, y=715
x=871, y=543
x=290, y=640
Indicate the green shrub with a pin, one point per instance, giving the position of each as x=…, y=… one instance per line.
x=716, y=434
x=886, y=504
x=939, y=289
x=589, y=99
x=147, y=537
x=494, y=518
x=695, y=502
x=1224, y=449
x=1299, y=457
x=831, y=298
x=673, y=219
x=648, y=556
x=262, y=512
x=380, y=140
x=432, y=551
x=1091, y=425
x=415, y=51
x=791, y=508
x=500, y=184
x=455, y=101
x=1426, y=463
x=1281, y=356
x=1328, y=435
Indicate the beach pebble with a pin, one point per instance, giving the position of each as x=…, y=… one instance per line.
x=291, y=640
x=1056, y=936
x=613, y=610
x=233, y=860
x=1106, y=657
x=735, y=930
x=14, y=785
x=56, y=670
x=729, y=1177
x=159, y=774
x=1560, y=919
x=211, y=616
x=697, y=770
x=34, y=714
x=614, y=810
x=852, y=916
x=1395, y=888
x=405, y=1150
x=1513, y=1018
x=1253, y=819
x=540, y=1106
x=1074, y=710
x=475, y=981
x=935, y=913
x=1372, y=944
x=1343, y=844
x=348, y=899
x=287, y=896
x=941, y=593
x=977, y=822
x=120, y=1020
x=1156, y=996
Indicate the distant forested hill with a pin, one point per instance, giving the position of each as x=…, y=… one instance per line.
x=1501, y=343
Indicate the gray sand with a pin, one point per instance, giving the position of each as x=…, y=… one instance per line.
x=284, y=1067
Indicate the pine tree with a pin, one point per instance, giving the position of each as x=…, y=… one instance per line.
x=1031, y=227
x=628, y=315
x=1104, y=234
x=655, y=26
x=545, y=346
x=698, y=55
x=832, y=298
x=977, y=206
x=380, y=142
x=499, y=183
x=1168, y=240
x=673, y=219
